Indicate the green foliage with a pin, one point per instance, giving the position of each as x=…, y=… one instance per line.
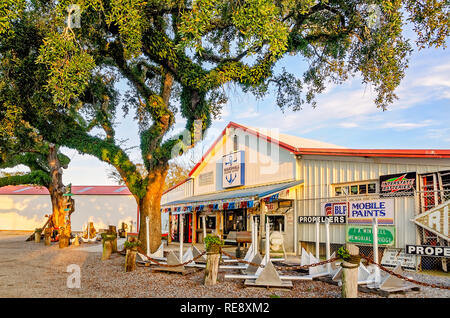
x=177, y=173
x=132, y=245
x=431, y=19
x=10, y=10
x=33, y=178
x=69, y=66
x=129, y=16
x=108, y=236
x=343, y=253
x=57, y=84
x=213, y=242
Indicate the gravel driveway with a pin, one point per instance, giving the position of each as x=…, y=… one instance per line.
x=28, y=269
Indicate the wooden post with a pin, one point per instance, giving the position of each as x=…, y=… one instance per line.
x=76, y=241
x=63, y=241
x=107, y=249
x=327, y=244
x=112, y=230
x=204, y=227
x=181, y=234
x=375, y=250
x=317, y=240
x=47, y=237
x=169, y=236
x=212, y=268
x=130, y=260
x=350, y=273
x=194, y=227
x=147, y=230
x=37, y=236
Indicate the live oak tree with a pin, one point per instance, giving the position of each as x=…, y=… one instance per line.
x=22, y=145
x=24, y=101
x=177, y=172
x=45, y=164
x=177, y=56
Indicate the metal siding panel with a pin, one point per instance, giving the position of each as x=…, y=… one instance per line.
x=315, y=174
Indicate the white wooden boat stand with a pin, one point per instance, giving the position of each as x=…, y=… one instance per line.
x=267, y=276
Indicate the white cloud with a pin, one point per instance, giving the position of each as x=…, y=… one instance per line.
x=407, y=125
x=348, y=125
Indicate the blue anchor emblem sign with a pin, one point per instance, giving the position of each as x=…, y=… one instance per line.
x=231, y=178
x=233, y=169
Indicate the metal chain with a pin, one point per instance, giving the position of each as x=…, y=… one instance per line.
x=166, y=265
x=281, y=267
x=370, y=260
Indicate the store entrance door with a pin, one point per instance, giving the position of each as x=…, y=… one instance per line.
x=235, y=220
x=187, y=228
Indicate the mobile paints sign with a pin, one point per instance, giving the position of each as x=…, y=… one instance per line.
x=363, y=212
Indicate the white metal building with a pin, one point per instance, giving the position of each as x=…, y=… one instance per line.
x=25, y=207
x=263, y=173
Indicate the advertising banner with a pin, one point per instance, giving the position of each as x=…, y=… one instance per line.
x=428, y=250
x=401, y=184
x=334, y=209
x=233, y=166
x=362, y=212
x=436, y=220
x=394, y=256
x=363, y=235
x=322, y=219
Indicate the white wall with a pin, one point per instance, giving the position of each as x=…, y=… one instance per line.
x=27, y=212
x=260, y=166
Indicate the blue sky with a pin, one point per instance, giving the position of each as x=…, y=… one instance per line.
x=345, y=115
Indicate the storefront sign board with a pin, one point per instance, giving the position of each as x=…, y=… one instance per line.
x=436, y=220
x=363, y=235
x=394, y=256
x=363, y=212
x=233, y=166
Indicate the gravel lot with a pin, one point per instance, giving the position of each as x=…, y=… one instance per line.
x=28, y=269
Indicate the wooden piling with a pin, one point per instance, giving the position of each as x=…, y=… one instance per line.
x=130, y=259
x=212, y=268
x=350, y=272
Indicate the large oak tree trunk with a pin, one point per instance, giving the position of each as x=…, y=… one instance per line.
x=150, y=206
x=56, y=188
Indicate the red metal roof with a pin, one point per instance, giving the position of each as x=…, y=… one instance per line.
x=411, y=153
x=398, y=153
x=76, y=190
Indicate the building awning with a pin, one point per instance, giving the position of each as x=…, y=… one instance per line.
x=227, y=200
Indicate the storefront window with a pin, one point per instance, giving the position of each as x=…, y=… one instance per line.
x=362, y=189
x=234, y=220
x=276, y=222
x=211, y=222
x=355, y=189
